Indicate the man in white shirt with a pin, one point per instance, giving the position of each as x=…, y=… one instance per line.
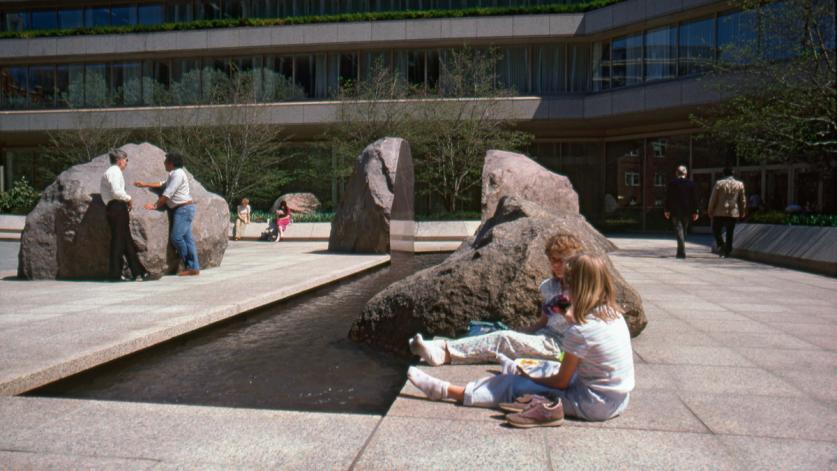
x=118, y=203
x=177, y=197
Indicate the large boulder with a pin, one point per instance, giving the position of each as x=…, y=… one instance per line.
x=379, y=190
x=67, y=234
x=507, y=173
x=492, y=276
x=299, y=203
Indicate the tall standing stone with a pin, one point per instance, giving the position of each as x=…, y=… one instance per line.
x=379, y=191
x=67, y=234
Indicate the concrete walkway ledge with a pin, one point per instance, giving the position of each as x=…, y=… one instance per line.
x=11, y=226
x=801, y=247
x=55, y=329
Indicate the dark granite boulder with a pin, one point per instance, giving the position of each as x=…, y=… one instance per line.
x=506, y=174
x=379, y=190
x=67, y=234
x=492, y=276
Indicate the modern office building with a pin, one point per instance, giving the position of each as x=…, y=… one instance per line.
x=607, y=92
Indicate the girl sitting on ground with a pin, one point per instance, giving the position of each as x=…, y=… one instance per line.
x=597, y=372
x=541, y=339
x=283, y=220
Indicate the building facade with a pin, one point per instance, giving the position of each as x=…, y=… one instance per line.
x=607, y=92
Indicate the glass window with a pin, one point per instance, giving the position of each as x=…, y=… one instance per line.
x=549, y=76
x=627, y=61
x=661, y=53
x=263, y=8
x=16, y=21
x=279, y=79
x=96, y=16
x=348, y=67
x=578, y=67
x=697, y=46
x=208, y=10
x=44, y=19
x=123, y=15
x=41, y=86
x=96, y=81
x=186, y=81
x=737, y=36
x=155, y=82
x=216, y=80
x=304, y=74
x=69, y=85
x=71, y=18
x=150, y=14
x=126, y=83
x=513, y=69
x=232, y=9
x=623, y=193
x=180, y=11
x=601, y=66
x=14, y=82
x=415, y=67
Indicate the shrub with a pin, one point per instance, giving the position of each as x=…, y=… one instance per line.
x=20, y=199
x=779, y=217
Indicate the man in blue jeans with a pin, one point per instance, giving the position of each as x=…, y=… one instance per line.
x=178, y=199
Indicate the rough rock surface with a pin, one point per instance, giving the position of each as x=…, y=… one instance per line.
x=362, y=222
x=67, y=234
x=492, y=276
x=300, y=203
x=507, y=173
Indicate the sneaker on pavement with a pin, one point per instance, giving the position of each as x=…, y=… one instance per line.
x=539, y=415
x=523, y=402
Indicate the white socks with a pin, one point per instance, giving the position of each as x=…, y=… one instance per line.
x=433, y=388
x=431, y=352
x=509, y=366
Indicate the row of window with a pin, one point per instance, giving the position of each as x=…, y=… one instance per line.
x=120, y=14
x=663, y=53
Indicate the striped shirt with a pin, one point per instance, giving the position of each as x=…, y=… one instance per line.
x=606, y=362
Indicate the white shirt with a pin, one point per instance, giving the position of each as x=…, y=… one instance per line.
x=112, y=186
x=176, y=188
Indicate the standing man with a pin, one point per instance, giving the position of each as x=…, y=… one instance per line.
x=118, y=203
x=177, y=197
x=681, y=207
x=727, y=205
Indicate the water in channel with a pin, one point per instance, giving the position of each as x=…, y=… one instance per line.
x=294, y=355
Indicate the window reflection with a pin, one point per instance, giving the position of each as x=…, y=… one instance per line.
x=96, y=16
x=661, y=53
x=150, y=14
x=626, y=68
x=70, y=18
x=697, y=46
x=44, y=19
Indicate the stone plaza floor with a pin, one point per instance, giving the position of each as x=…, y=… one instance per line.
x=737, y=369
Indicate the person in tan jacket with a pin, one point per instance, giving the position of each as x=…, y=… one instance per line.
x=727, y=205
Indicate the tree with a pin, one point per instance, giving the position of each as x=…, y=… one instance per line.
x=450, y=125
x=90, y=137
x=780, y=84
x=230, y=146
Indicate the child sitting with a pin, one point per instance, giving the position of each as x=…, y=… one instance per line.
x=540, y=339
x=596, y=374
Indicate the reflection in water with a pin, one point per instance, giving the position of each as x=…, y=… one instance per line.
x=295, y=355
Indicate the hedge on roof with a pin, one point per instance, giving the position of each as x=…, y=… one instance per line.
x=302, y=20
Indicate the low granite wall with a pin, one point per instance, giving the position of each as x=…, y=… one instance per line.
x=801, y=247
x=11, y=226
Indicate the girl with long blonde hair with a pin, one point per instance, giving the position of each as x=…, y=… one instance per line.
x=595, y=376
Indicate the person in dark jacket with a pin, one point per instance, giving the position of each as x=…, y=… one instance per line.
x=681, y=207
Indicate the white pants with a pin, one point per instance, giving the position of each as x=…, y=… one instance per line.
x=482, y=348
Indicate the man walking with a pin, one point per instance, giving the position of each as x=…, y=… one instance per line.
x=681, y=207
x=727, y=205
x=118, y=203
x=177, y=197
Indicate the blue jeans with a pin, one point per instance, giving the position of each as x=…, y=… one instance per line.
x=181, y=236
x=579, y=401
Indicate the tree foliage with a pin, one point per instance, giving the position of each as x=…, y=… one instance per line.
x=449, y=125
x=779, y=84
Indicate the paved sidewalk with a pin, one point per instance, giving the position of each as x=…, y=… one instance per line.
x=53, y=329
x=736, y=370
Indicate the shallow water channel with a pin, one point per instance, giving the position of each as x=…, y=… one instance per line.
x=292, y=355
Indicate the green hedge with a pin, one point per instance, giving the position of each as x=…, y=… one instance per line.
x=779, y=217
x=20, y=199
x=300, y=20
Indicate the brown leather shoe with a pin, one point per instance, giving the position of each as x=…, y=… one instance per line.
x=189, y=272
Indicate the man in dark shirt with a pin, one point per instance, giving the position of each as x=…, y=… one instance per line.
x=681, y=207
